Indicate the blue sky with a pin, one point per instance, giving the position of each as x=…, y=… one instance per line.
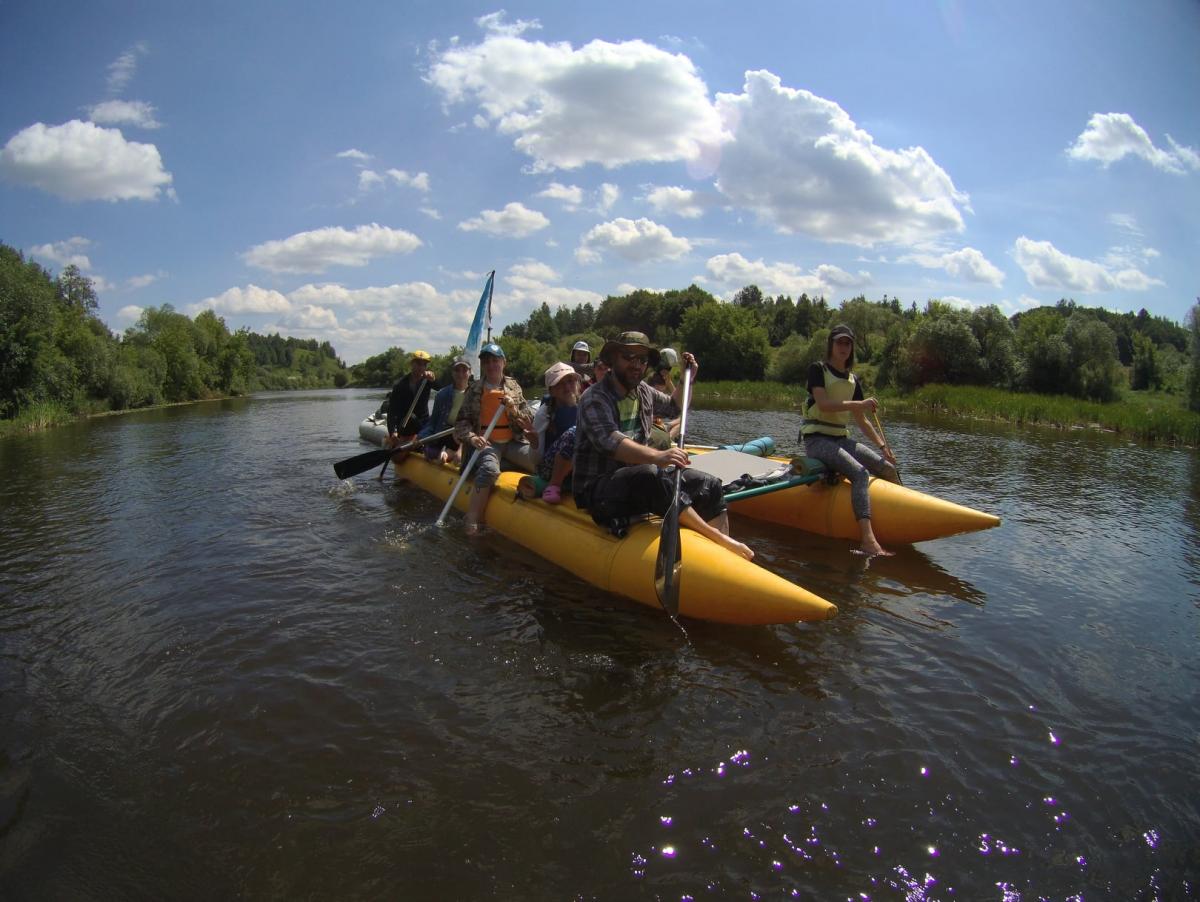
x=352, y=171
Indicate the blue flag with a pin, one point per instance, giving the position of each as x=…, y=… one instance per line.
x=481, y=326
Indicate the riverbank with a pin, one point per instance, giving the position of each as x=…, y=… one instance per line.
x=49, y=415
x=1153, y=417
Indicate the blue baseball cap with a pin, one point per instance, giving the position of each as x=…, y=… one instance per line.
x=492, y=348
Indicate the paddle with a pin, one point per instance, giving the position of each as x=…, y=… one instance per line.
x=670, y=555
x=411, y=408
x=441, y=520
x=879, y=429
x=352, y=466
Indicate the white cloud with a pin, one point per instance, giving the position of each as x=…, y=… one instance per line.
x=361, y=321
x=124, y=112
x=130, y=313
x=431, y=212
x=967, y=264
x=514, y=221
x=419, y=181
x=1110, y=137
x=608, y=194
x=733, y=272
x=531, y=283
x=368, y=180
x=250, y=299
x=124, y=67
x=604, y=103
x=682, y=202
x=65, y=253
x=144, y=281
x=320, y=249
x=629, y=288
x=960, y=303
x=312, y=318
x=356, y=155
x=82, y=161
x=800, y=162
x=408, y=298
x=571, y=196
x=638, y=241
x=495, y=23
x=1046, y=266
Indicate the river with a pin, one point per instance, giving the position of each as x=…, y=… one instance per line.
x=224, y=674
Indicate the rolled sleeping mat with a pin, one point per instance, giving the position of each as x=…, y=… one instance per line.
x=759, y=447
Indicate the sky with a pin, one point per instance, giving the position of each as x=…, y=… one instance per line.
x=351, y=172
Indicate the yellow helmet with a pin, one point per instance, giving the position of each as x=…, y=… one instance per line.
x=420, y=355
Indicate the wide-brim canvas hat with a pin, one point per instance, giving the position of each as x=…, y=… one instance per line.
x=627, y=340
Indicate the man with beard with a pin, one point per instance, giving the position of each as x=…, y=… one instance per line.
x=617, y=475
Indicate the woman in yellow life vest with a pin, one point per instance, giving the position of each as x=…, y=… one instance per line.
x=834, y=396
x=510, y=436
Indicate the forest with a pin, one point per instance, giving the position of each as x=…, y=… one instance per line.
x=1087, y=353
x=58, y=360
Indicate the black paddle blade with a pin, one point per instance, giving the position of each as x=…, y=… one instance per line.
x=352, y=466
x=667, y=567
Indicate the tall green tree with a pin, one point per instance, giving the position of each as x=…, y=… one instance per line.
x=1044, y=355
x=727, y=341
x=1146, y=372
x=997, y=345
x=944, y=349
x=1094, y=370
x=27, y=321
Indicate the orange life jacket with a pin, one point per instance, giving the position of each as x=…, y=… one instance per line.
x=488, y=402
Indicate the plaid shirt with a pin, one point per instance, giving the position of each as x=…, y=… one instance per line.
x=598, y=433
x=468, y=423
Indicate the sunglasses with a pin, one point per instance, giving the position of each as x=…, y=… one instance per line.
x=630, y=357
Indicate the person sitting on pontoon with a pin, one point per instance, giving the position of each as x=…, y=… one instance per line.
x=494, y=396
x=554, y=426
x=834, y=396
x=446, y=405
x=408, y=404
x=581, y=362
x=617, y=475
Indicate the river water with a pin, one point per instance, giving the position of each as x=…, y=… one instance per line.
x=224, y=674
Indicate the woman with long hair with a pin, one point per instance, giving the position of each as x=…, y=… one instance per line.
x=834, y=397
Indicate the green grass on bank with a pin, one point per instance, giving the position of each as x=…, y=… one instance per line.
x=37, y=416
x=1155, y=417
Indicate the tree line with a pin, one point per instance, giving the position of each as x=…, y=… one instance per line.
x=1067, y=349
x=59, y=360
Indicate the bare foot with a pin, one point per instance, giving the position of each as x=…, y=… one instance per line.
x=473, y=529
x=874, y=551
x=738, y=548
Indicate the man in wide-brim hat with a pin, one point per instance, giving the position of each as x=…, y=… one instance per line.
x=617, y=475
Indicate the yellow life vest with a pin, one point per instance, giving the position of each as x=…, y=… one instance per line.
x=488, y=402
x=826, y=422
